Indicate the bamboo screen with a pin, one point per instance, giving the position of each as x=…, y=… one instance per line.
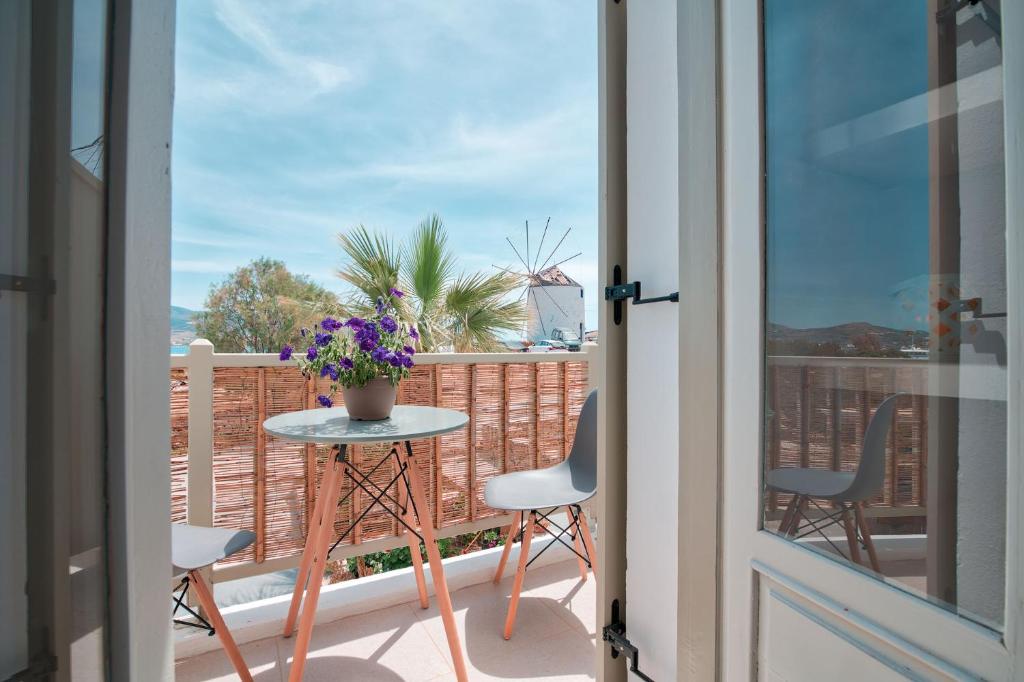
x=522, y=416
x=179, y=445
x=817, y=415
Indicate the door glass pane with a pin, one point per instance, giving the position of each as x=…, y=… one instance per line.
x=885, y=336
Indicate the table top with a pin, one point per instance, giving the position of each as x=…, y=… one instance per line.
x=332, y=425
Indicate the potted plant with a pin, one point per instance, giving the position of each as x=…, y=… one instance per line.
x=366, y=358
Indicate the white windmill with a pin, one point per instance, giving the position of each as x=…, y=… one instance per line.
x=554, y=301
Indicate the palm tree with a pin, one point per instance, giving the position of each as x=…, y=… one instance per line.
x=465, y=312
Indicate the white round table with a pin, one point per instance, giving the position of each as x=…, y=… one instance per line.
x=333, y=425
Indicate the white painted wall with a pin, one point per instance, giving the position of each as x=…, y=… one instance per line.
x=981, y=484
x=652, y=487
x=553, y=306
x=14, y=62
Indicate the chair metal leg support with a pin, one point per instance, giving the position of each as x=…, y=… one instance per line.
x=577, y=542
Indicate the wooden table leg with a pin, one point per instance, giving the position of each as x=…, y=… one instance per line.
x=444, y=600
x=576, y=532
x=411, y=539
x=307, y=553
x=517, y=584
x=588, y=540
x=330, y=491
x=517, y=519
x=206, y=601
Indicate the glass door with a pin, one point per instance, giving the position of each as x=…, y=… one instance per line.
x=885, y=294
x=871, y=401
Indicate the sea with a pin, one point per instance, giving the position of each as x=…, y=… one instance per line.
x=179, y=350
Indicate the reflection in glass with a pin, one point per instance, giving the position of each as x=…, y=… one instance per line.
x=885, y=375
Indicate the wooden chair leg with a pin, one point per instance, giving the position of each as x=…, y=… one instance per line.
x=332, y=489
x=588, y=541
x=577, y=543
x=851, y=536
x=205, y=597
x=307, y=553
x=517, y=585
x=413, y=542
x=799, y=502
x=517, y=519
x=858, y=510
x=787, y=518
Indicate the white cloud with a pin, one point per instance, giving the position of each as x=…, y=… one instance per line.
x=203, y=266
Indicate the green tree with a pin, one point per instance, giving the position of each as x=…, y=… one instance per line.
x=261, y=307
x=465, y=312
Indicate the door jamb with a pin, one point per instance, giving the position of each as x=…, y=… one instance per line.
x=611, y=404
x=699, y=381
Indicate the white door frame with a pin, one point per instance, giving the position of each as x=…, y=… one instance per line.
x=611, y=403
x=138, y=281
x=907, y=630
x=697, y=609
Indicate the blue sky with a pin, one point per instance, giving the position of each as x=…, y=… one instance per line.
x=297, y=120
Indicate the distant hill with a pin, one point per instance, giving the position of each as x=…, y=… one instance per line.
x=183, y=330
x=852, y=338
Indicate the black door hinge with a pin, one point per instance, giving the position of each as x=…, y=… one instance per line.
x=27, y=284
x=619, y=292
x=615, y=634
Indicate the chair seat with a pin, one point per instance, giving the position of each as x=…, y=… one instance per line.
x=194, y=547
x=821, y=483
x=538, y=489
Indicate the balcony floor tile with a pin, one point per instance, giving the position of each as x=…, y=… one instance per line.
x=553, y=639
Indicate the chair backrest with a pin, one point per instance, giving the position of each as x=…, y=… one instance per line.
x=583, y=456
x=871, y=470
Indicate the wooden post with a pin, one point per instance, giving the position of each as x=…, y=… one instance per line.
x=471, y=432
x=505, y=420
x=805, y=417
x=200, y=438
x=310, y=458
x=260, y=511
x=438, y=472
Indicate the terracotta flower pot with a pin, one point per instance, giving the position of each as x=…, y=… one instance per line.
x=371, y=402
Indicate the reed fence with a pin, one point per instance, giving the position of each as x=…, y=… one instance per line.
x=816, y=412
x=226, y=471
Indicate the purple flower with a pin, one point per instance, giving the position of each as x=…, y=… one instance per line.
x=303, y=331
x=324, y=400
x=413, y=333
x=286, y=353
x=409, y=350
x=323, y=339
x=355, y=322
x=407, y=361
x=330, y=324
x=396, y=293
x=388, y=324
x=329, y=369
x=346, y=363
x=379, y=354
x=311, y=353
x=367, y=345
x=395, y=359
x=380, y=305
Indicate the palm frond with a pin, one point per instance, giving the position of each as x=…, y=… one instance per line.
x=374, y=262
